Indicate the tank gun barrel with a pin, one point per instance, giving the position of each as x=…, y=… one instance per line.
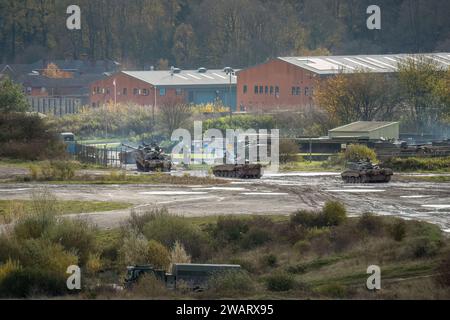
x=128, y=146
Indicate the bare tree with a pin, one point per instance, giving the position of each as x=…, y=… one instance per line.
x=360, y=96
x=174, y=114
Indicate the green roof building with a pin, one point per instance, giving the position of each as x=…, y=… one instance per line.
x=367, y=130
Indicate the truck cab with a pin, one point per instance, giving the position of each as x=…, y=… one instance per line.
x=69, y=140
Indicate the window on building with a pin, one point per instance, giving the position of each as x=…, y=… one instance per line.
x=245, y=89
x=256, y=89
x=43, y=89
x=124, y=91
x=29, y=89
x=297, y=91
x=162, y=92
x=145, y=92
x=306, y=91
x=107, y=91
x=179, y=91
x=261, y=89
x=271, y=90
x=277, y=90
x=136, y=91
x=293, y=91
x=266, y=90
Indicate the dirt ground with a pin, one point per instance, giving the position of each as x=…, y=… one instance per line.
x=273, y=194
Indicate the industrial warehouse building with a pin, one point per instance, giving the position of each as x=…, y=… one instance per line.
x=154, y=88
x=364, y=132
x=367, y=130
x=288, y=83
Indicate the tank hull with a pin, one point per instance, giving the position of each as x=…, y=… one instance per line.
x=367, y=176
x=240, y=171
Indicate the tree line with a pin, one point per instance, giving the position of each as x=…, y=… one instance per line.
x=213, y=33
x=418, y=95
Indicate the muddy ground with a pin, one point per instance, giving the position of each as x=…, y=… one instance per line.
x=273, y=194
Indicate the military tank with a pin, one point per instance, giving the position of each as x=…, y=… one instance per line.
x=240, y=171
x=151, y=158
x=364, y=171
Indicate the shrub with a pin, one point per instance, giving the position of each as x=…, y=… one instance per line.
x=157, y=255
x=334, y=213
x=356, y=152
x=178, y=254
x=255, y=237
x=8, y=267
x=281, y=281
x=45, y=255
x=28, y=282
x=149, y=286
x=74, y=235
x=371, y=224
x=138, y=219
x=269, y=260
x=398, y=230
x=28, y=137
x=288, y=150
x=444, y=271
x=94, y=263
x=170, y=229
x=33, y=226
x=302, y=246
x=231, y=282
x=308, y=219
x=414, y=164
x=422, y=247
x=58, y=170
x=334, y=290
x=134, y=249
x=229, y=229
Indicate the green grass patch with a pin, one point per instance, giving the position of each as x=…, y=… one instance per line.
x=310, y=166
x=388, y=273
x=419, y=164
x=315, y=264
x=205, y=220
x=151, y=178
x=66, y=207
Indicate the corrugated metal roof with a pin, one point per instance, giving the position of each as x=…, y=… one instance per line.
x=363, y=126
x=383, y=63
x=183, y=78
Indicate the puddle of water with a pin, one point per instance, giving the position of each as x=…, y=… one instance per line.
x=264, y=194
x=13, y=190
x=415, y=197
x=172, y=193
x=222, y=188
x=302, y=174
x=437, y=206
x=243, y=182
x=355, y=190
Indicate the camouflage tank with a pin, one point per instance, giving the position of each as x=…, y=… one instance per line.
x=151, y=158
x=241, y=171
x=365, y=171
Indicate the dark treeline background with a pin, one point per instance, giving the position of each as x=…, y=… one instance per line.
x=215, y=33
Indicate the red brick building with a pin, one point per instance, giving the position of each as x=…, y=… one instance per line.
x=154, y=88
x=274, y=85
x=288, y=83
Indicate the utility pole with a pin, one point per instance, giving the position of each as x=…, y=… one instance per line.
x=115, y=93
x=229, y=71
